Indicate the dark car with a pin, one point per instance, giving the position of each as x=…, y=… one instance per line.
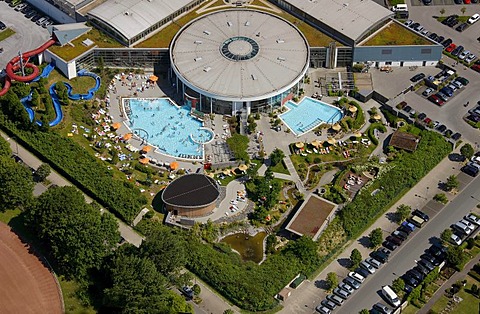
x=430, y=258
x=382, y=308
x=407, y=108
x=442, y=96
x=365, y=273
x=436, y=100
x=458, y=1
x=188, y=292
x=460, y=28
x=36, y=17
x=407, y=225
x=2, y=26
x=329, y=304
x=379, y=256
x=437, y=249
x=447, y=42
x=453, y=22
x=30, y=14
x=422, y=116
x=456, y=136
x=463, y=80
x=440, y=39
x=449, y=19
x=457, y=51
x=441, y=128
x=390, y=245
x=427, y=2
x=448, y=133
x=433, y=36
x=426, y=264
x=416, y=274
x=421, y=269
x=417, y=77
x=394, y=240
x=410, y=280
x=447, y=91
x=400, y=234
x=470, y=170
x=414, y=25
x=421, y=214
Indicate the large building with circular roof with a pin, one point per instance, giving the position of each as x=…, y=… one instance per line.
x=238, y=59
x=192, y=195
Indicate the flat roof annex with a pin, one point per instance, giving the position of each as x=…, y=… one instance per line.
x=350, y=17
x=131, y=17
x=240, y=55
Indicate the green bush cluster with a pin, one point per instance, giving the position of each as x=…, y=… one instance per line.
x=83, y=169
x=405, y=173
x=371, y=131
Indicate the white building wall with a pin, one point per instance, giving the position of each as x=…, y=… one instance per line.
x=55, y=13
x=69, y=69
x=413, y=63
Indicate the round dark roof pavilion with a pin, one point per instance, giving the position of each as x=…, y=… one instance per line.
x=191, y=191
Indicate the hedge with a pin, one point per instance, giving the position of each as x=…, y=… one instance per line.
x=81, y=168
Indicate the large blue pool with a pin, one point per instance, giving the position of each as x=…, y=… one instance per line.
x=308, y=114
x=168, y=127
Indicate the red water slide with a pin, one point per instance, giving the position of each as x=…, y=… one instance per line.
x=14, y=65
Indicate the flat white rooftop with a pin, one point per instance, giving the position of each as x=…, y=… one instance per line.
x=240, y=55
x=131, y=17
x=349, y=17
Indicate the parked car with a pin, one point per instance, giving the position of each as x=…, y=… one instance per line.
x=341, y=293
x=421, y=116
x=474, y=18
x=451, y=47
x=394, y=240
x=382, y=308
x=472, y=218
x=421, y=214
x=442, y=96
x=442, y=128
x=449, y=18
x=456, y=239
x=463, y=54
x=373, y=262
x=428, y=92
x=335, y=299
x=400, y=234
x=440, y=39
x=410, y=280
x=426, y=264
x=471, y=57
x=188, y=292
x=447, y=42
x=380, y=256
x=346, y=287
x=463, y=80
x=407, y=109
x=365, y=265
x=457, y=51
x=416, y=274
x=323, y=309
x=408, y=22
x=329, y=304
x=352, y=283
x=447, y=91
x=414, y=25
x=468, y=224
x=362, y=272
x=460, y=28
x=470, y=170
x=421, y=269
x=389, y=245
x=433, y=36
x=356, y=276
x=458, y=84
x=417, y=77
x=456, y=136
x=408, y=226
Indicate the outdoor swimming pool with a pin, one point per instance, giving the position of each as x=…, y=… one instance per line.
x=168, y=127
x=308, y=114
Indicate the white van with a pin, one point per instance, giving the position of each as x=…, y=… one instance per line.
x=400, y=8
x=391, y=296
x=462, y=228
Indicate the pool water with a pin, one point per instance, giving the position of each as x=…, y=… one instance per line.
x=308, y=114
x=168, y=127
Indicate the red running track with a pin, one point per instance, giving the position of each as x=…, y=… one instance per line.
x=14, y=65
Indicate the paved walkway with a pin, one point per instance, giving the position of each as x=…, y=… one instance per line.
x=447, y=284
x=309, y=292
x=294, y=175
x=31, y=160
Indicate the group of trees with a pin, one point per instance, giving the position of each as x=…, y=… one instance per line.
x=376, y=237
x=238, y=144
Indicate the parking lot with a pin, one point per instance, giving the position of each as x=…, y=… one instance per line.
x=28, y=35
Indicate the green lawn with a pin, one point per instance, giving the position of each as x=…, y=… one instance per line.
x=6, y=33
x=395, y=2
x=280, y=168
x=394, y=34
x=469, y=304
x=461, y=19
x=8, y=215
x=80, y=84
x=72, y=303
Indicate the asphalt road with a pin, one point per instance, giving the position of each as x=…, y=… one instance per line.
x=404, y=257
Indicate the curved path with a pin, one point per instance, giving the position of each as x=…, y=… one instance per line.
x=26, y=285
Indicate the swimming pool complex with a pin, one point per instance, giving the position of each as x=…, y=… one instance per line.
x=308, y=114
x=168, y=127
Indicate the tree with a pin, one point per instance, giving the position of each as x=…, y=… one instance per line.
x=77, y=235
x=454, y=255
x=165, y=249
x=62, y=92
x=452, y=183
x=332, y=281
x=364, y=311
x=305, y=250
x=228, y=311
x=16, y=184
x=5, y=149
x=463, y=9
x=355, y=258
x=136, y=286
x=43, y=172
x=398, y=285
x=402, y=213
x=446, y=234
x=276, y=157
x=35, y=98
x=467, y=151
x=196, y=289
x=441, y=198
x=376, y=237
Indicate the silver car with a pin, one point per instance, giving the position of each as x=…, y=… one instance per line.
x=367, y=267
x=373, y=262
x=341, y=293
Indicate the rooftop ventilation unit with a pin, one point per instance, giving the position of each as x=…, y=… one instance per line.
x=197, y=59
x=247, y=23
x=127, y=13
x=207, y=32
x=254, y=77
x=198, y=42
x=281, y=59
x=229, y=24
x=206, y=69
x=280, y=41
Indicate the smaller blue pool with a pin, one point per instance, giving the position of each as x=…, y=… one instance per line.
x=308, y=114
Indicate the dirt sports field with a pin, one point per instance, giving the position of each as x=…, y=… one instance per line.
x=26, y=285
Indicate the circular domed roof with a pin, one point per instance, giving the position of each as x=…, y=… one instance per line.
x=239, y=55
x=191, y=191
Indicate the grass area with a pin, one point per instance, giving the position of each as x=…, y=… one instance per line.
x=163, y=38
x=394, y=34
x=6, y=33
x=461, y=19
x=69, y=52
x=280, y=168
x=8, y=215
x=80, y=84
x=72, y=303
x=469, y=303
x=395, y=2
x=410, y=309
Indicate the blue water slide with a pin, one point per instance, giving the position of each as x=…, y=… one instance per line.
x=25, y=100
x=90, y=93
x=46, y=72
x=56, y=105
